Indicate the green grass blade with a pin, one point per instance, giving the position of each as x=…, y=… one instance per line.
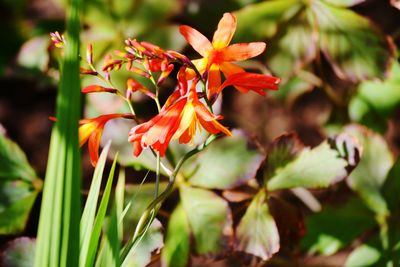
x=109, y=254
x=101, y=213
x=119, y=202
x=89, y=212
x=58, y=233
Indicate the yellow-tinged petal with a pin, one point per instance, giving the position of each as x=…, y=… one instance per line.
x=214, y=80
x=86, y=130
x=243, y=51
x=94, y=144
x=198, y=41
x=187, y=119
x=164, y=128
x=229, y=69
x=224, y=33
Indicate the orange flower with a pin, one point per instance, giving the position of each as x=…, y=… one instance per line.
x=251, y=81
x=91, y=129
x=219, y=55
x=176, y=121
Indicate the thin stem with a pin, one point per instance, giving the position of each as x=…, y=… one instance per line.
x=158, y=153
x=149, y=214
x=157, y=175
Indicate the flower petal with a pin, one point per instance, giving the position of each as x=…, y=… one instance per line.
x=98, y=89
x=243, y=51
x=86, y=130
x=214, y=81
x=252, y=81
x=209, y=120
x=197, y=40
x=187, y=118
x=94, y=143
x=166, y=125
x=224, y=33
x=228, y=69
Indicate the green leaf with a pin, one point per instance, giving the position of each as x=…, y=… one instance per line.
x=98, y=222
x=295, y=47
x=227, y=163
x=366, y=255
x=321, y=166
x=89, y=211
x=257, y=233
x=281, y=151
x=344, y=3
x=119, y=202
x=376, y=98
x=139, y=196
x=110, y=249
x=140, y=254
x=336, y=226
x=13, y=162
x=370, y=174
x=19, y=252
x=356, y=49
x=16, y=201
x=391, y=188
x=176, y=250
x=260, y=21
x=58, y=233
x=18, y=187
x=209, y=218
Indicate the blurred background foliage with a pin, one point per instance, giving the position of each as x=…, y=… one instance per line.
x=338, y=61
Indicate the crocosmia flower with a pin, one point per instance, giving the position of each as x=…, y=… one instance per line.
x=91, y=129
x=218, y=55
x=251, y=81
x=176, y=121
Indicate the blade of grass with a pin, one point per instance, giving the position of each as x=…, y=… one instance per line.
x=89, y=212
x=119, y=202
x=109, y=253
x=58, y=233
x=101, y=213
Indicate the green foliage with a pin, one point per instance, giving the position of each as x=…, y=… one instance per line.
x=336, y=226
x=300, y=30
x=257, y=233
x=89, y=211
x=91, y=225
x=13, y=162
x=208, y=217
x=366, y=255
x=58, y=233
x=343, y=35
x=228, y=163
x=176, y=250
x=19, y=187
x=309, y=168
x=152, y=241
x=376, y=100
x=369, y=176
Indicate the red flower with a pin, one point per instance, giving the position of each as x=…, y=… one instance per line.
x=219, y=55
x=251, y=81
x=178, y=120
x=91, y=129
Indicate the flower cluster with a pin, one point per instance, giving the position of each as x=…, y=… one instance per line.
x=186, y=110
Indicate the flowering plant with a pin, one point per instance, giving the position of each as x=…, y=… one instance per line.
x=183, y=113
x=217, y=191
